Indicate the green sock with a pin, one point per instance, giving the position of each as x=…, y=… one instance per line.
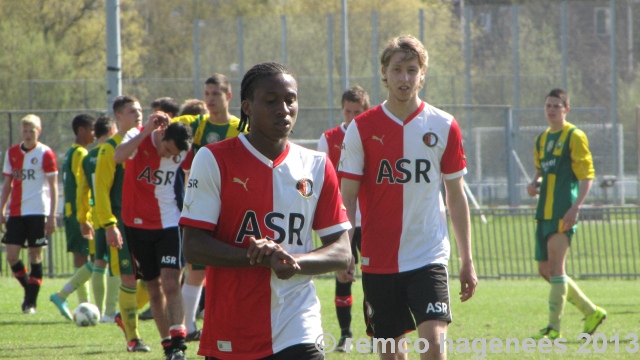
x=81, y=276
x=111, y=300
x=557, y=297
x=84, y=275
x=579, y=299
x=129, y=311
x=99, y=284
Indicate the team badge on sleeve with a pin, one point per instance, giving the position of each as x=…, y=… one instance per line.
x=305, y=187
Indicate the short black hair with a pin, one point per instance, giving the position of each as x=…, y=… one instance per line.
x=356, y=94
x=103, y=126
x=221, y=81
x=82, y=120
x=181, y=135
x=166, y=104
x=121, y=101
x=560, y=94
x=247, y=87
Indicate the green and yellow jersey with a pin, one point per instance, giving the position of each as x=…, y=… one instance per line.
x=108, y=183
x=86, y=194
x=205, y=132
x=71, y=176
x=563, y=158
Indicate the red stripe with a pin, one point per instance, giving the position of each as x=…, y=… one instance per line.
x=343, y=301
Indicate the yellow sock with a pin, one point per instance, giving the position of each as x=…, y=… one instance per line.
x=129, y=312
x=557, y=297
x=142, y=294
x=99, y=282
x=111, y=299
x=578, y=299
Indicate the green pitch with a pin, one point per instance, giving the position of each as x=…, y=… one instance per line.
x=501, y=309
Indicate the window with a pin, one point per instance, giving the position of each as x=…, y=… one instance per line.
x=602, y=21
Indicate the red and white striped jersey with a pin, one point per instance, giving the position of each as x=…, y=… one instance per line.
x=330, y=143
x=148, y=193
x=28, y=171
x=400, y=166
x=236, y=192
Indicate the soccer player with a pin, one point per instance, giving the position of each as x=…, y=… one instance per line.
x=250, y=207
x=108, y=197
x=167, y=105
x=354, y=102
x=193, y=107
x=394, y=158
x=564, y=173
x=77, y=243
x=151, y=212
x=105, y=287
x=31, y=181
x=207, y=128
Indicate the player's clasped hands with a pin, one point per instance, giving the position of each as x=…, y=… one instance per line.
x=282, y=263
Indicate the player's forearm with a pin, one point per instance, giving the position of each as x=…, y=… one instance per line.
x=460, y=220
x=6, y=191
x=53, y=188
x=199, y=247
x=124, y=150
x=334, y=255
x=583, y=191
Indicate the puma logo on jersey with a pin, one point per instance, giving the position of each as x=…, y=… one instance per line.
x=243, y=183
x=378, y=138
x=188, y=206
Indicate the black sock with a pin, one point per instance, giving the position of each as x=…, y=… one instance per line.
x=20, y=273
x=343, y=300
x=33, y=285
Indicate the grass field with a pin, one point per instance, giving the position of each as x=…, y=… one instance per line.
x=501, y=309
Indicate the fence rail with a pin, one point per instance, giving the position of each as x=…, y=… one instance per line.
x=605, y=245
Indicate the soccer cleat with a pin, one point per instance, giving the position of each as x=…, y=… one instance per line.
x=342, y=344
x=137, y=345
x=118, y=320
x=594, y=320
x=61, y=305
x=146, y=315
x=29, y=309
x=548, y=333
x=193, y=336
x=176, y=355
x=107, y=318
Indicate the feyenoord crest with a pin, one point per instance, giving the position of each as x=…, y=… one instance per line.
x=305, y=187
x=430, y=139
x=34, y=161
x=177, y=158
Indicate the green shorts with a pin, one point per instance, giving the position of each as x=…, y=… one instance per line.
x=544, y=229
x=120, y=262
x=102, y=252
x=75, y=241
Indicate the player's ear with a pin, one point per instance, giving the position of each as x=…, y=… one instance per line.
x=246, y=107
x=229, y=96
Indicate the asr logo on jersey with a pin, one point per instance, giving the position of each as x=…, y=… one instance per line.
x=294, y=224
x=157, y=177
x=305, y=187
x=24, y=174
x=416, y=172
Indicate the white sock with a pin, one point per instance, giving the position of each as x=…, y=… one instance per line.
x=191, y=298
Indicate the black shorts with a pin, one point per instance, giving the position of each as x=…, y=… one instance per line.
x=393, y=301
x=27, y=229
x=298, y=352
x=152, y=250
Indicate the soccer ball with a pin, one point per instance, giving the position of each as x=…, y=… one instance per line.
x=86, y=314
